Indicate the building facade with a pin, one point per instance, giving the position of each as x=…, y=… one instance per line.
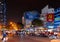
x=57, y=18
x=3, y=12
x=29, y=16
x=47, y=15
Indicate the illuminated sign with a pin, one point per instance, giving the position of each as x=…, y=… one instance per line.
x=50, y=17
x=57, y=19
x=50, y=26
x=31, y=15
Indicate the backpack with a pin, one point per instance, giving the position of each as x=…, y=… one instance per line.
x=4, y=35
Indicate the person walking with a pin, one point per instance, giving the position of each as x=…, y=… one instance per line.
x=4, y=39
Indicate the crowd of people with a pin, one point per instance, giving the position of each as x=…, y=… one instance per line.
x=5, y=35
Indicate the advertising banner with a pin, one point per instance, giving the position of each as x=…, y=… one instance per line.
x=31, y=15
x=50, y=17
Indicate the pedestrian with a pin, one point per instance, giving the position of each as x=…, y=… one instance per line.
x=21, y=34
x=4, y=38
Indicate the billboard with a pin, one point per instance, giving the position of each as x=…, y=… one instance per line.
x=31, y=15
x=50, y=17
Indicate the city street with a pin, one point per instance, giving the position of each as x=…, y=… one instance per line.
x=29, y=21
x=29, y=39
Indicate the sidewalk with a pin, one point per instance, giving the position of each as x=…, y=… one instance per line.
x=18, y=39
x=27, y=39
x=42, y=39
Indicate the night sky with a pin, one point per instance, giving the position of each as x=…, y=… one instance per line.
x=16, y=8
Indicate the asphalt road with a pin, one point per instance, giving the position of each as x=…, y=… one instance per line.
x=28, y=39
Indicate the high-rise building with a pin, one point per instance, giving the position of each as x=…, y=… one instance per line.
x=3, y=12
x=57, y=18
x=47, y=15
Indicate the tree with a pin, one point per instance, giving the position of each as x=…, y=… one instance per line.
x=37, y=22
x=20, y=25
